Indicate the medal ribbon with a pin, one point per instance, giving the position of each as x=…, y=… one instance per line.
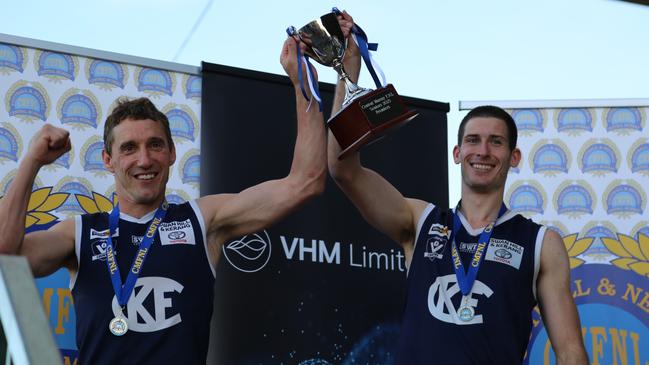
x=466, y=279
x=123, y=292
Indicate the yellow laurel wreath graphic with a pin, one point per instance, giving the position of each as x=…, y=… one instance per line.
x=632, y=255
x=98, y=203
x=40, y=203
x=576, y=247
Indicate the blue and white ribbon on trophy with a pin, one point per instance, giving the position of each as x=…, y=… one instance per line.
x=304, y=60
x=364, y=47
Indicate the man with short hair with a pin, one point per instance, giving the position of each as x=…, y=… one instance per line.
x=474, y=272
x=142, y=276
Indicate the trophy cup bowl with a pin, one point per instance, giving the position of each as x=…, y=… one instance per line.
x=366, y=115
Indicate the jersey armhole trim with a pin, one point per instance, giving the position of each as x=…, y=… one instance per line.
x=420, y=224
x=77, y=249
x=201, y=222
x=538, y=245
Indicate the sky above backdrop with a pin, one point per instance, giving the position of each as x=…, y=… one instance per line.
x=439, y=50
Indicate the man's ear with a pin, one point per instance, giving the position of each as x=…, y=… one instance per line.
x=456, y=154
x=515, y=158
x=107, y=161
x=173, y=154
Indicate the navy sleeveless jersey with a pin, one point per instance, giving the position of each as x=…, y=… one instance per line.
x=502, y=296
x=169, y=311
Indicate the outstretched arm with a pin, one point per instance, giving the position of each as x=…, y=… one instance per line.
x=380, y=203
x=235, y=215
x=48, y=250
x=558, y=309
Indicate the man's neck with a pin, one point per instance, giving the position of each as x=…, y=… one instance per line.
x=137, y=210
x=481, y=209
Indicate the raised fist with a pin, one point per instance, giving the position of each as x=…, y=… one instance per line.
x=48, y=144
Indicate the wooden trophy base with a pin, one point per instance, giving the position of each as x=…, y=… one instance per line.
x=369, y=117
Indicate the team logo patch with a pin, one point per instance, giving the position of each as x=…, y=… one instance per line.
x=435, y=247
x=441, y=293
x=12, y=58
x=150, y=307
x=98, y=243
x=176, y=233
x=505, y=252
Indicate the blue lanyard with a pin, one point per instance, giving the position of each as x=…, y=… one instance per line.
x=123, y=292
x=466, y=279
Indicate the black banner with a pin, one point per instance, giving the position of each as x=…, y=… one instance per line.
x=322, y=286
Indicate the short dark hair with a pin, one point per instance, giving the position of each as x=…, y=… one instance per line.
x=136, y=109
x=491, y=111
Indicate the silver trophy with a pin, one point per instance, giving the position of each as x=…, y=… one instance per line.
x=365, y=114
x=326, y=44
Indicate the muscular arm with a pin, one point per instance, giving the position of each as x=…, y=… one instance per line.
x=380, y=203
x=46, y=251
x=234, y=215
x=558, y=309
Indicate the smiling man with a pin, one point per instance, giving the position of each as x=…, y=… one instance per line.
x=474, y=272
x=142, y=275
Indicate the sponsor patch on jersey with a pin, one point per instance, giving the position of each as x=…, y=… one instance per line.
x=176, y=233
x=440, y=230
x=505, y=252
x=468, y=247
x=101, y=234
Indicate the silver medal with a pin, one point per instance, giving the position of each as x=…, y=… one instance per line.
x=118, y=326
x=466, y=313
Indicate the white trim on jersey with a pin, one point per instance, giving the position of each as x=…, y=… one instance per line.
x=422, y=218
x=77, y=249
x=537, y=257
x=201, y=222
